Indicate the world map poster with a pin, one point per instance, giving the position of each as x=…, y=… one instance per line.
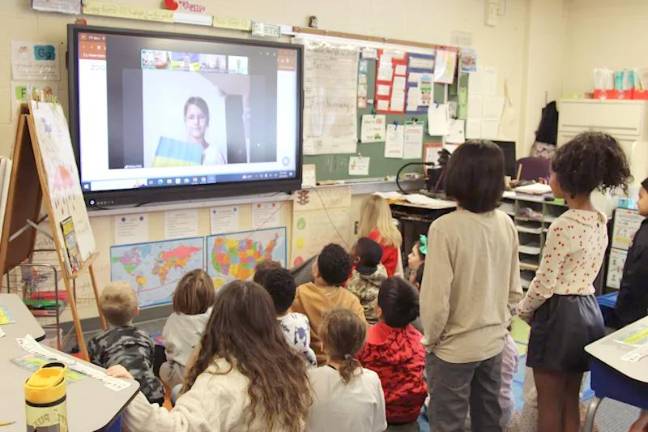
x=233, y=255
x=154, y=269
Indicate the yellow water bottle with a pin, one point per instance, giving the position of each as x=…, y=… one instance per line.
x=45, y=399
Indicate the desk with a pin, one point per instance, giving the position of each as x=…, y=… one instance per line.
x=615, y=378
x=90, y=404
x=415, y=219
x=25, y=323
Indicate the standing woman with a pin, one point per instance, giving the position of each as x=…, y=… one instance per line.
x=470, y=281
x=376, y=223
x=560, y=303
x=196, y=117
x=244, y=377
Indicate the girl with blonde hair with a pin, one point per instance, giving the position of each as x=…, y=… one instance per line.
x=376, y=223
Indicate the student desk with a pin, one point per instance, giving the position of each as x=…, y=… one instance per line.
x=415, y=219
x=615, y=378
x=90, y=405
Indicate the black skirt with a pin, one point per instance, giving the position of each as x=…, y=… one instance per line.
x=560, y=330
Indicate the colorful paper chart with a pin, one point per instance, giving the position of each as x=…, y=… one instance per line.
x=5, y=316
x=391, y=82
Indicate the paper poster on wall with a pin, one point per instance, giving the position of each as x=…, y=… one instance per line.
x=473, y=128
x=391, y=81
x=265, y=215
x=180, y=223
x=394, y=141
x=359, y=166
x=133, y=228
x=468, y=60
x=431, y=151
x=22, y=91
x=413, y=141
x=626, y=224
x=438, y=119
x=320, y=216
x=456, y=132
x=224, y=219
x=420, y=82
x=309, y=175
x=330, y=98
x=373, y=128
x=62, y=6
x=615, y=267
x=445, y=66
x=35, y=61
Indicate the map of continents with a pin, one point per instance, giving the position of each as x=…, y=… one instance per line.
x=233, y=256
x=154, y=269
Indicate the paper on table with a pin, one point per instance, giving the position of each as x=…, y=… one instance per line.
x=35, y=61
x=359, y=165
x=413, y=141
x=400, y=70
x=429, y=202
x=309, y=175
x=373, y=128
x=475, y=106
x=382, y=90
x=224, y=219
x=492, y=107
x=330, y=98
x=456, y=133
x=390, y=195
x=438, y=119
x=266, y=215
x=473, y=129
x=394, y=141
x=490, y=128
x=180, y=223
x=132, y=228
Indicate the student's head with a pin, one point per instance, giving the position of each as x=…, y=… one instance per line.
x=398, y=301
x=367, y=254
x=343, y=335
x=642, y=203
x=243, y=330
x=262, y=268
x=475, y=176
x=417, y=255
x=118, y=303
x=196, y=117
x=333, y=266
x=194, y=294
x=280, y=284
x=592, y=160
x=376, y=214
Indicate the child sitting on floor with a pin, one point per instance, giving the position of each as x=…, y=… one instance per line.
x=376, y=222
x=281, y=286
x=262, y=268
x=192, y=302
x=346, y=397
x=416, y=261
x=123, y=343
x=394, y=351
x=330, y=271
x=367, y=276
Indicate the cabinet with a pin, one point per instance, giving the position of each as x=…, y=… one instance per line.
x=625, y=120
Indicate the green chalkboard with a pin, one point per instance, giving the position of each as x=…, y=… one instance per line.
x=336, y=166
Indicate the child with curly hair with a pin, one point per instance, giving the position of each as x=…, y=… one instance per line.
x=560, y=303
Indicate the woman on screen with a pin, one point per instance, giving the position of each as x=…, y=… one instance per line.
x=196, y=117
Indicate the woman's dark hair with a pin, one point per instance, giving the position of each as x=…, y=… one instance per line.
x=475, y=176
x=644, y=184
x=399, y=302
x=243, y=330
x=194, y=294
x=280, y=284
x=200, y=103
x=334, y=264
x=343, y=335
x=592, y=160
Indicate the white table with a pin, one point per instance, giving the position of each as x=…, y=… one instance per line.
x=90, y=405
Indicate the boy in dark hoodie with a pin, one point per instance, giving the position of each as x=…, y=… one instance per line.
x=367, y=276
x=394, y=351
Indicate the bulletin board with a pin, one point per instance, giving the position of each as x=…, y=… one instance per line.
x=336, y=166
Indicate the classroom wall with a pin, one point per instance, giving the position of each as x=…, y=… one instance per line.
x=602, y=33
x=507, y=47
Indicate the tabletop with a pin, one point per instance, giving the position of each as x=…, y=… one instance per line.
x=23, y=321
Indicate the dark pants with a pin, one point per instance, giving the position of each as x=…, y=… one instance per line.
x=454, y=387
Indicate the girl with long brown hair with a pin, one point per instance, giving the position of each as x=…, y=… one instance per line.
x=347, y=397
x=244, y=377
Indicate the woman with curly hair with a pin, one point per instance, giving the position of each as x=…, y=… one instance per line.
x=560, y=303
x=244, y=377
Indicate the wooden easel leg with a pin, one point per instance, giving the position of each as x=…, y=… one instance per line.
x=75, y=318
x=93, y=279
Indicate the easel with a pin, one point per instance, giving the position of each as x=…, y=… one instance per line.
x=25, y=197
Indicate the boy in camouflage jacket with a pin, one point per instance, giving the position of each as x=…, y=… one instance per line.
x=367, y=276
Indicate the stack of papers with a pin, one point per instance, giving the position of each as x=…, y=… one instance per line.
x=390, y=195
x=426, y=201
x=534, y=189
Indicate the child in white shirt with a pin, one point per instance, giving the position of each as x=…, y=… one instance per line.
x=346, y=396
x=192, y=302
